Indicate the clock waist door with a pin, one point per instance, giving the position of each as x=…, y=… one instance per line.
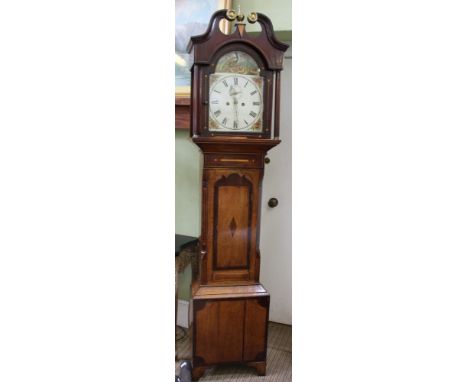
x=231, y=199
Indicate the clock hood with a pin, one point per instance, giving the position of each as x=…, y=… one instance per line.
x=205, y=46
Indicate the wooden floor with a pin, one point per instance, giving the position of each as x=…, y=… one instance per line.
x=278, y=359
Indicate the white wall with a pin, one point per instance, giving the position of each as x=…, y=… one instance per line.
x=276, y=223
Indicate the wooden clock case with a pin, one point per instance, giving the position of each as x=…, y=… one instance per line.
x=230, y=306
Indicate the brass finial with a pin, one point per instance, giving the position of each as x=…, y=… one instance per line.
x=231, y=14
x=240, y=16
x=252, y=17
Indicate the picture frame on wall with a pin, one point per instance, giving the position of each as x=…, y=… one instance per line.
x=191, y=18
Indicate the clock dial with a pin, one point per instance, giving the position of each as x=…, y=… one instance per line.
x=235, y=102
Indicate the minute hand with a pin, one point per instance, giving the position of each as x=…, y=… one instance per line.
x=236, y=113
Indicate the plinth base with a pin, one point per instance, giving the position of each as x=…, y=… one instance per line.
x=230, y=325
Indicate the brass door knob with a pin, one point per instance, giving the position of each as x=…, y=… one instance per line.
x=273, y=202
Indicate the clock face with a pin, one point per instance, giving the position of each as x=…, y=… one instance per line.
x=236, y=103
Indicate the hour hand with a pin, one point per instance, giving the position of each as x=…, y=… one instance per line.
x=232, y=91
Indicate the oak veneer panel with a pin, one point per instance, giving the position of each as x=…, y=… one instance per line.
x=206, y=333
x=231, y=328
x=232, y=229
x=231, y=276
x=233, y=197
x=256, y=318
x=220, y=328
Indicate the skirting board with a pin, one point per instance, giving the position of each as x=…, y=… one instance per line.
x=183, y=313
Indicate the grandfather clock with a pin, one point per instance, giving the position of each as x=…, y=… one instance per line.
x=235, y=100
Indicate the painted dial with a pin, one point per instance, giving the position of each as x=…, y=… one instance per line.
x=236, y=103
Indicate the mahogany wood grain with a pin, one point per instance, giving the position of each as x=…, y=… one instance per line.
x=206, y=44
x=277, y=103
x=241, y=145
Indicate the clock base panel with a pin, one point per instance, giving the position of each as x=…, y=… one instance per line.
x=230, y=326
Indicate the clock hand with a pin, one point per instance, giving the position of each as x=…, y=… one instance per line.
x=233, y=92
x=236, y=113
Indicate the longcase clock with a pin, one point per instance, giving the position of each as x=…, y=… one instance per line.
x=235, y=100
